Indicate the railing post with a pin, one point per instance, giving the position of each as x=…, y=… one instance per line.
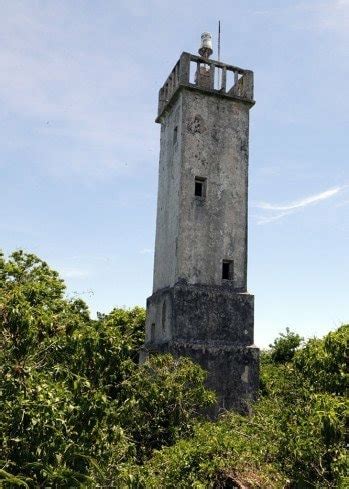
x=184, y=67
x=236, y=77
x=248, y=84
x=198, y=74
x=224, y=80
x=212, y=70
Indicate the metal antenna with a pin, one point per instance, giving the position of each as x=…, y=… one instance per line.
x=219, y=40
x=219, y=53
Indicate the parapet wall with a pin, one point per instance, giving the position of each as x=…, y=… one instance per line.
x=209, y=75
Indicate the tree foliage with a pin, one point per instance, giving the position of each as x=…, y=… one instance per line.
x=71, y=388
x=285, y=346
x=77, y=410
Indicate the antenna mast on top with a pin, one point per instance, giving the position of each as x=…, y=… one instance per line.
x=219, y=40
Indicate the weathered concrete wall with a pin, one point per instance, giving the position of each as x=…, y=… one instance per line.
x=194, y=235
x=168, y=205
x=214, y=326
x=200, y=313
x=233, y=372
x=212, y=314
x=159, y=322
x=215, y=146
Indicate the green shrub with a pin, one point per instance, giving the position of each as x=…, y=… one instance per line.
x=161, y=400
x=232, y=452
x=285, y=346
x=324, y=362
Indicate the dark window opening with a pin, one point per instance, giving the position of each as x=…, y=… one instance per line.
x=163, y=316
x=200, y=187
x=152, y=332
x=227, y=270
x=175, y=135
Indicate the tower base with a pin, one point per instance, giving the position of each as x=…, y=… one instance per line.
x=213, y=325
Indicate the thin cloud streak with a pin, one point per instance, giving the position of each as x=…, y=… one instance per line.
x=276, y=217
x=313, y=199
x=294, y=206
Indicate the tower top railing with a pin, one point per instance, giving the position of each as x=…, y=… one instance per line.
x=206, y=75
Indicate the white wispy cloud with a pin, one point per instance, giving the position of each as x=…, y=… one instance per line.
x=272, y=218
x=278, y=211
x=313, y=199
x=74, y=273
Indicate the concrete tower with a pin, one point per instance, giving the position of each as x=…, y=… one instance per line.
x=200, y=306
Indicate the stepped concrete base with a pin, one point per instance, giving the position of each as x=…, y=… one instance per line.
x=213, y=325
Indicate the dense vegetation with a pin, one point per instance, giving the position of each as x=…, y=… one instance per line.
x=78, y=411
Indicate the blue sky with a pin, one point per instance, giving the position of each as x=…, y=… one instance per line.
x=79, y=146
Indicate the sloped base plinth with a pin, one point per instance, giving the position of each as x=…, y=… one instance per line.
x=214, y=327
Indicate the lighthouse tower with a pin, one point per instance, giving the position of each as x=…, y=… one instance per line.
x=200, y=306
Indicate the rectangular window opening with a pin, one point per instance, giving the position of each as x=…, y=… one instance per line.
x=227, y=270
x=200, y=187
x=152, y=332
x=175, y=135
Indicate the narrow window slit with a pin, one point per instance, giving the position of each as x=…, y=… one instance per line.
x=200, y=187
x=163, y=316
x=152, y=332
x=227, y=270
x=175, y=135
